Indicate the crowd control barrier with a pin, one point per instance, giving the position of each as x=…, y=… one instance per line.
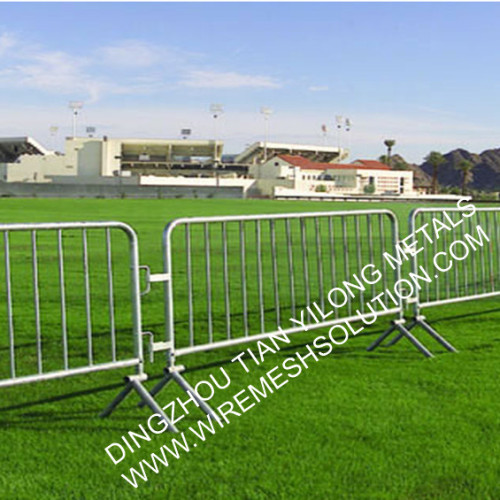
x=238, y=279
x=55, y=278
x=227, y=280
x=466, y=259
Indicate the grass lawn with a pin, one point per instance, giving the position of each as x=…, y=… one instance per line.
x=355, y=425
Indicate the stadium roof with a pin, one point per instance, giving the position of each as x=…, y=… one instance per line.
x=258, y=151
x=11, y=148
x=306, y=164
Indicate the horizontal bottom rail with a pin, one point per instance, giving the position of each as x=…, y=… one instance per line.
x=251, y=338
x=115, y=365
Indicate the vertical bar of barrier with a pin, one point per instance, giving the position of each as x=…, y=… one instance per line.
x=10, y=315
x=36, y=301
x=111, y=298
x=189, y=278
x=359, y=261
x=370, y=247
x=258, y=243
x=482, y=260
x=225, y=277
x=289, y=246
x=346, y=260
x=319, y=263
x=490, y=244
x=445, y=249
x=243, y=278
x=473, y=262
x=382, y=249
x=208, y=281
x=333, y=268
x=87, y=296
x=62, y=291
x=272, y=230
x=305, y=261
x=465, y=263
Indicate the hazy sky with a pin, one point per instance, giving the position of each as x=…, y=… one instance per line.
x=427, y=75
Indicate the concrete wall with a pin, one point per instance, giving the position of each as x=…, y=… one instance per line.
x=37, y=168
x=53, y=190
x=152, y=180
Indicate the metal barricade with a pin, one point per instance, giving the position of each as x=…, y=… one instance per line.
x=464, y=260
x=72, y=303
x=237, y=279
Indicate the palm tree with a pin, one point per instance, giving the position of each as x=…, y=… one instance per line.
x=465, y=166
x=389, y=143
x=436, y=160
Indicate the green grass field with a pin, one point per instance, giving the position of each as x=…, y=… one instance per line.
x=356, y=425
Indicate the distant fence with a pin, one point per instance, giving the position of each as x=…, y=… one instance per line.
x=82, y=190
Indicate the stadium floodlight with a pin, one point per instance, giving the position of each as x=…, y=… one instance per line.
x=216, y=109
x=185, y=133
x=75, y=106
x=339, y=120
x=90, y=131
x=266, y=112
x=324, y=131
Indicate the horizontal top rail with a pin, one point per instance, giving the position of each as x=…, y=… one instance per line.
x=254, y=217
x=27, y=226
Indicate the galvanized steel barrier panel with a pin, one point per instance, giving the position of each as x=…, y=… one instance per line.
x=72, y=302
x=474, y=277
x=237, y=279
x=474, y=271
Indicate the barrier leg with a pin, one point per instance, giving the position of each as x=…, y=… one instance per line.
x=398, y=325
x=399, y=336
x=174, y=374
x=134, y=383
x=382, y=337
x=420, y=321
x=157, y=388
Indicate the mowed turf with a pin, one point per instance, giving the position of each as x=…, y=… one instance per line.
x=388, y=424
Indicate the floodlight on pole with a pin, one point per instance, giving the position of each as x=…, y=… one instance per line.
x=266, y=112
x=348, y=126
x=324, y=131
x=75, y=107
x=339, y=120
x=216, y=110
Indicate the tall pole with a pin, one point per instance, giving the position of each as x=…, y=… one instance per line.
x=216, y=110
x=267, y=112
x=339, y=121
x=75, y=107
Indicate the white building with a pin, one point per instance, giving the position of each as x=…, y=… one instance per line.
x=295, y=175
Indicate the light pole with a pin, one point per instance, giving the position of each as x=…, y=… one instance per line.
x=339, y=120
x=75, y=107
x=216, y=110
x=324, y=132
x=348, y=126
x=267, y=112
